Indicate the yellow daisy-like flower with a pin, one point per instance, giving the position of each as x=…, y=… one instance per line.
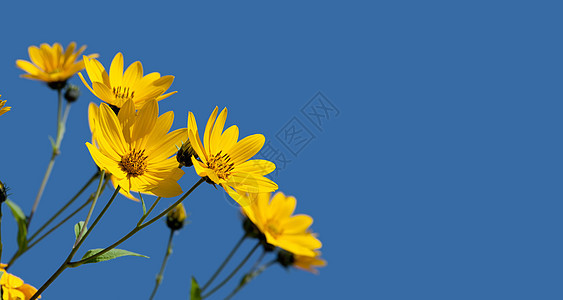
x=309, y=263
x=225, y=161
x=4, y=109
x=118, y=87
x=274, y=218
x=137, y=149
x=50, y=64
x=13, y=287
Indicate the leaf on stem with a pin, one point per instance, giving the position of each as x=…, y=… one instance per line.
x=78, y=228
x=111, y=254
x=21, y=220
x=195, y=292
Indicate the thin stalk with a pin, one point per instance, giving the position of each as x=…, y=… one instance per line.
x=164, y=261
x=62, y=209
x=235, y=248
x=137, y=228
x=55, y=152
x=149, y=211
x=39, y=239
x=76, y=246
x=232, y=273
x=98, y=191
x=249, y=276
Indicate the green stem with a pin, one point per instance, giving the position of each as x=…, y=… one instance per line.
x=249, y=276
x=232, y=273
x=55, y=152
x=149, y=211
x=138, y=227
x=98, y=191
x=92, y=179
x=39, y=239
x=76, y=246
x=235, y=248
x=166, y=256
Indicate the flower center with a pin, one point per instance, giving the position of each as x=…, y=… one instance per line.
x=134, y=163
x=220, y=164
x=123, y=93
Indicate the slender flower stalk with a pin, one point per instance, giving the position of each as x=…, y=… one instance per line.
x=232, y=273
x=253, y=273
x=69, y=264
x=163, y=266
x=61, y=124
x=224, y=263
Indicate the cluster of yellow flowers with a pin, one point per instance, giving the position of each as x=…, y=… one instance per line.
x=134, y=145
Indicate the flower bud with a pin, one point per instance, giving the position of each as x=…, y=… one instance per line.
x=72, y=93
x=3, y=193
x=185, y=153
x=176, y=218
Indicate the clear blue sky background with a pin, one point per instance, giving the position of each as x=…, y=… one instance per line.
x=439, y=178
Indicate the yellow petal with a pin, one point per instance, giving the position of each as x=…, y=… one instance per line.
x=116, y=70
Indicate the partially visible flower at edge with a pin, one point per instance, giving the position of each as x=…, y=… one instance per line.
x=13, y=287
x=50, y=64
x=275, y=219
x=225, y=161
x=117, y=87
x=136, y=148
x=4, y=109
x=308, y=263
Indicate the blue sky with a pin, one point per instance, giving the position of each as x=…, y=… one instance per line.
x=435, y=175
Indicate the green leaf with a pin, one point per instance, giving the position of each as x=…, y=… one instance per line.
x=78, y=228
x=144, y=206
x=111, y=254
x=195, y=292
x=21, y=220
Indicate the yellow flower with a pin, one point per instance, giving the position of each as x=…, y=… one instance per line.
x=275, y=220
x=118, y=87
x=137, y=149
x=4, y=109
x=308, y=263
x=225, y=161
x=51, y=64
x=13, y=287
x=93, y=112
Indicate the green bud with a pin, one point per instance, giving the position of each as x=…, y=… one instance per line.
x=3, y=193
x=185, y=153
x=176, y=218
x=72, y=93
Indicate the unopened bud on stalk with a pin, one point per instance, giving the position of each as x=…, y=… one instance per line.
x=176, y=218
x=185, y=153
x=72, y=93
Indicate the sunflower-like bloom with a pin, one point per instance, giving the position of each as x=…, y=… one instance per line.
x=137, y=149
x=309, y=263
x=51, y=64
x=118, y=87
x=274, y=218
x=4, y=109
x=225, y=161
x=13, y=287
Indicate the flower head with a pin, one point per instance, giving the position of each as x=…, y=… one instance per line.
x=4, y=109
x=50, y=64
x=13, y=287
x=136, y=148
x=117, y=87
x=225, y=161
x=275, y=219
